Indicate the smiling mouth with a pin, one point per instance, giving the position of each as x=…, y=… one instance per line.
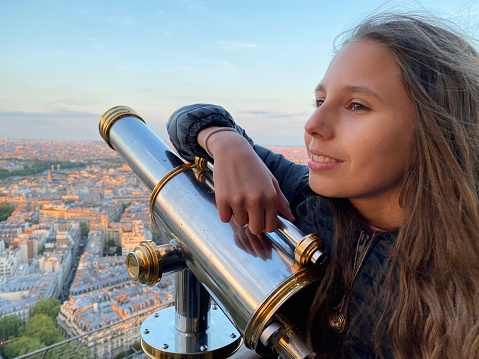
x=317, y=158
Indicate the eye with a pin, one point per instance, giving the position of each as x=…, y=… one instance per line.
x=318, y=102
x=356, y=107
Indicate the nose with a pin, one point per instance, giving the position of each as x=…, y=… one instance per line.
x=319, y=125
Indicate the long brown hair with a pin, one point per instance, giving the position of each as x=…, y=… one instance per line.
x=432, y=292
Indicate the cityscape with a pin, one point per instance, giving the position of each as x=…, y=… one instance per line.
x=70, y=212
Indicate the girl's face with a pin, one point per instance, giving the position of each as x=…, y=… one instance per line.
x=359, y=138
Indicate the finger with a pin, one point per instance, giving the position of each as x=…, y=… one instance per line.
x=269, y=212
x=256, y=220
x=283, y=204
x=270, y=219
x=240, y=217
x=224, y=210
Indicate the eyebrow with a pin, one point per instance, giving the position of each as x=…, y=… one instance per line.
x=354, y=89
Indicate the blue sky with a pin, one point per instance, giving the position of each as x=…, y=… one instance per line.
x=64, y=63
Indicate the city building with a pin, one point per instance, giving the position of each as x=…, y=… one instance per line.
x=109, y=308
x=9, y=260
x=96, y=273
x=132, y=235
x=9, y=231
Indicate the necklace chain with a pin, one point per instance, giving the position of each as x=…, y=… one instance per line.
x=337, y=319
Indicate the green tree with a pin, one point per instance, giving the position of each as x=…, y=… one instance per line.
x=22, y=346
x=9, y=326
x=36, y=221
x=133, y=349
x=46, y=306
x=43, y=328
x=39, y=166
x=84, y=229
x=6, y=210
x=4, y=173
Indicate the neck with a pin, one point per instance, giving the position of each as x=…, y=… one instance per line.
x=385, y=215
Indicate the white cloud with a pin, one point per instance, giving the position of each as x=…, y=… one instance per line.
x=57, y=125
x=71, y=102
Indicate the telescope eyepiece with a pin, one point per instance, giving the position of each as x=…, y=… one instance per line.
x=134, y=266
x=144, y=263
x=113, y=115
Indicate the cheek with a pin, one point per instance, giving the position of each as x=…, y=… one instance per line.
x=385, y=158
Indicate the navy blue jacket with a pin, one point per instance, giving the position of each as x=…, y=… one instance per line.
x=364, y=310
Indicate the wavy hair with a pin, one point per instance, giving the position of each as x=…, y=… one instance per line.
x=432, y=292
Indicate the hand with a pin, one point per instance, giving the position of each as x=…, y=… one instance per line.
x=245, y=189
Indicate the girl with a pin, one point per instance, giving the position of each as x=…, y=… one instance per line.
x=391, y=186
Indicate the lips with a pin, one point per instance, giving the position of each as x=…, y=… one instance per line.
x=321, y=162
x=318, y=156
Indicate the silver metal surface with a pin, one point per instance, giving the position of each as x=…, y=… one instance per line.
x=146, y=154
x=170, y=260
x=267, y=337
x=318, y=258
x=291, y=346
x=192, y=304
x=287, y=237
x=163, y=341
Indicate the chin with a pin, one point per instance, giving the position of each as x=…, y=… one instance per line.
x=323, y=190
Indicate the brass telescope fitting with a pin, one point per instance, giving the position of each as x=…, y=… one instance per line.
x=148, y=262
x=113, y=115
x=309, y=250
x=144, y=263
x=201, y=166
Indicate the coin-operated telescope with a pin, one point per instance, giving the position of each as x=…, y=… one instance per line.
x=264, y=300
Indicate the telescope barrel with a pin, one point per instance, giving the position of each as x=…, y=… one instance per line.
x=249, y=289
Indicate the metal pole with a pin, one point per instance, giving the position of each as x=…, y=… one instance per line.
x=192, y=304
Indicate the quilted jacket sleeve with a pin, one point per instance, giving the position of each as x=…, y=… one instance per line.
x=185, y=123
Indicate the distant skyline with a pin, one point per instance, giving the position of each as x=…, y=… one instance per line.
x=63, y=63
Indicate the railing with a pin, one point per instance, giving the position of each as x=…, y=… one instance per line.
x=94, y=343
